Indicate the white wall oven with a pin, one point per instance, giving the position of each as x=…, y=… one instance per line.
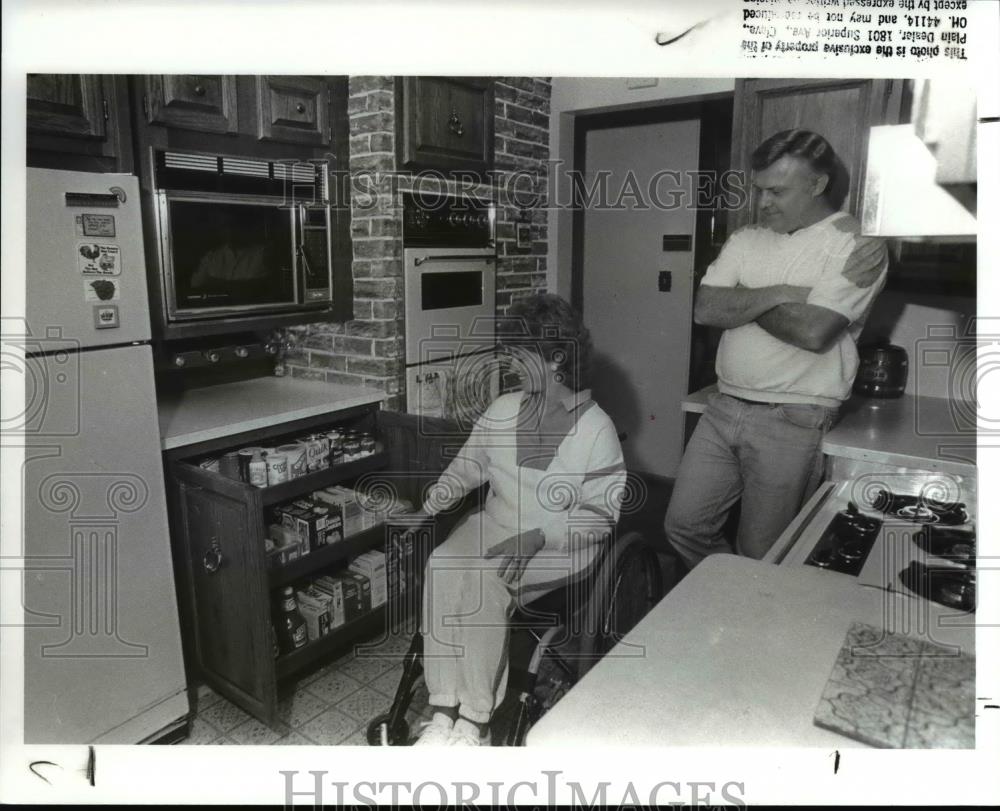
x=449, y=264
x=241, y=236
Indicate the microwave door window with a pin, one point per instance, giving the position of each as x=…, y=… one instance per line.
x=451, y=289
x=230, y=255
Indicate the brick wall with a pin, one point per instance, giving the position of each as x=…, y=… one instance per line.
x=369, y=350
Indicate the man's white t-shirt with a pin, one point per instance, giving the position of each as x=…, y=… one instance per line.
x=752, y=363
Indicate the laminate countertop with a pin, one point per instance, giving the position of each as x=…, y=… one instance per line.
x=929, y=433
x=198, y=415
x=739, y=653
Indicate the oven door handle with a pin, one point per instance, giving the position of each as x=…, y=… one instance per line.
x=418, y=261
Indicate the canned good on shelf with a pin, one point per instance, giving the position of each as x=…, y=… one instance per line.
x=295, y=453
x=317, y=453
x=277, y=467
x=229, y=465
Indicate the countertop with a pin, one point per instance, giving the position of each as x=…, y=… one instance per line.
x=738, y=654
x=198, y=415
x=929, y=433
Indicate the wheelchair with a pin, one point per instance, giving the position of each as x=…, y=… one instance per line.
x=620, y=587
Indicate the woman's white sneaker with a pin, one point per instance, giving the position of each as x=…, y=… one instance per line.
x=436, y=732
x=466, y=733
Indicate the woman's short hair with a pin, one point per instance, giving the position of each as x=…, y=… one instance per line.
x=798, y=143
x=550, y=326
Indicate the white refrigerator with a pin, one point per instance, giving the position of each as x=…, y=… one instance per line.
x=103, y=660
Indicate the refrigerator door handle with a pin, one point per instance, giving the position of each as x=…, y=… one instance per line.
x=212, y=559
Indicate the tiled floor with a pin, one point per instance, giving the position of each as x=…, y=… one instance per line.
x=331, y=706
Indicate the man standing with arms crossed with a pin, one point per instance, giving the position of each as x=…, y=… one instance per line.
x=792, y=295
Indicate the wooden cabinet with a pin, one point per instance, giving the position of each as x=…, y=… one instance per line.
x=444, y=122
x=257, y=118
x=841, y=110
x=78, y=121
x=293, y=109
x=190, y=102
x=226, y=587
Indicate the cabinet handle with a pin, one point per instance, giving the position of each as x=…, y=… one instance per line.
x=455, y=125
x=198, y=90
x=212, y=559
x=300, y=108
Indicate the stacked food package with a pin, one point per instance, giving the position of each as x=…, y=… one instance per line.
x=326, y=517
x=330, y=599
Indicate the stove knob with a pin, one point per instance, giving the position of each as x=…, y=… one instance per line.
x=212, y=356
x=851, y=552
x=179, y=360
x=241, y=352
x=823, y=559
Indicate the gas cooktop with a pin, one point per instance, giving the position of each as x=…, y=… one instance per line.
x=902, y=542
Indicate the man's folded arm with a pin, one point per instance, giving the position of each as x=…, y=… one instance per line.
x=729, y=307
x=807, y=326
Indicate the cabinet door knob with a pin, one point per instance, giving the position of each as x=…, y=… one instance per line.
x=212, y=559
x=300, y=107
x=455, y=124
x=198, y=90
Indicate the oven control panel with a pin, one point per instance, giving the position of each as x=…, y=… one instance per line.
x=447, y=221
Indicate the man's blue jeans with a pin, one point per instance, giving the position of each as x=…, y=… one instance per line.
x=767, y=454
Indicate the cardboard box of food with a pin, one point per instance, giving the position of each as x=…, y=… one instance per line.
x=371, y=564
x=364, y=591
x=333, y=588
x=350, y=510
x=316, y=612
x=398, y=561
x=349, y=588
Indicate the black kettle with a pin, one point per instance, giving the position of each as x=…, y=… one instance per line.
x=882, y=370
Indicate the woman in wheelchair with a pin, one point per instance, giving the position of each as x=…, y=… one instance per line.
x=556, y=474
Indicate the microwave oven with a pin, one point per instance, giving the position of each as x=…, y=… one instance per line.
x=241, y=236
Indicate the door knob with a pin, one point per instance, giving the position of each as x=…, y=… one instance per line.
x=212, y=559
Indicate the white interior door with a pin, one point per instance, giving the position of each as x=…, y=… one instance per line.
x=642, y=336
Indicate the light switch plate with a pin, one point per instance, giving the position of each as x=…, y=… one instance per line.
x=637, y=83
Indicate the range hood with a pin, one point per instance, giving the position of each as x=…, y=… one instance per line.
x=920, y=180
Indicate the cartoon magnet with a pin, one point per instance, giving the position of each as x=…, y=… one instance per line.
x=99, y=260
x=95, y=225
x=101, y=290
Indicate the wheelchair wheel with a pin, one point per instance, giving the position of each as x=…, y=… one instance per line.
x=632, y=585
x=381, y=732
x=512, y=720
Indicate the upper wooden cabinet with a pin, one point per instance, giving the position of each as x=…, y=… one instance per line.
x=78, y=121
x=841, y=110
x=200, y=103
x=293, y=109
x=444, y=122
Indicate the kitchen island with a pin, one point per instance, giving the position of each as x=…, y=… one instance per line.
x=927, y=433
x=738, y=654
